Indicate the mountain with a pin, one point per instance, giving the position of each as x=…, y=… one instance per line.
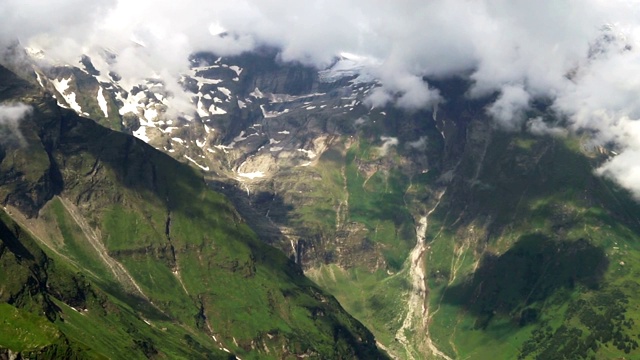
x=112, y=249
x=447, y=236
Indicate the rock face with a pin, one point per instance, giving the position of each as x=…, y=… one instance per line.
x=523, y=242
x=262, y=128
x=110, y=248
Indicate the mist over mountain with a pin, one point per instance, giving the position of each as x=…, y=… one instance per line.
x=577, y=55
x=462, y=176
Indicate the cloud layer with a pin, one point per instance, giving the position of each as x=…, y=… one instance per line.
x=583, y=55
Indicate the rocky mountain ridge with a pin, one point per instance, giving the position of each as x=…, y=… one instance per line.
x=348, y=191
x=101, y=235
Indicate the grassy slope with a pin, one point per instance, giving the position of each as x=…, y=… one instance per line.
x=55, y=311
x=559, y=246
x=378, y=199
x=202, y=273
x=23, y=330
x=523, y=251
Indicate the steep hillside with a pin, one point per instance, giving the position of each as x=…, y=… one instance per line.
x=521, y=251
x=532, y=254
x=134, y=256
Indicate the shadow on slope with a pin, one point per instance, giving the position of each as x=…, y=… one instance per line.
x=144, y=200
x=262, y=210
x=531, y=271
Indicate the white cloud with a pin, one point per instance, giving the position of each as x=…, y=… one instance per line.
x=10, y=117
x=379, y=97
x=420, y=144
x=624, y=169
x=538, y=127
x=387, y=143
x=519, y=50
x=508, y=109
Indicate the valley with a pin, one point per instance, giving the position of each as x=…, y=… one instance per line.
x=110, y=249
x=444, y=235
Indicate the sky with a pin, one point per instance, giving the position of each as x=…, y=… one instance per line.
x=583, y=56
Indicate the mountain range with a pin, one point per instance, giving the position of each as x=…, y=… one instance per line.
x=112, y=249
x=218, y=214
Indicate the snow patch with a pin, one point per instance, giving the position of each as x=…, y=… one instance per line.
x=130, y=104
x=350, y=65
x=39, y=79
x=170, y=129
x=310, y=153
x=224, y=148
x=62, y=86
x=257, y=93
x=34, y=53
x=205, y=168
x=236, y=68
x=102, y=102
x=215, y=110
x=202, y=112
x=225, y=91
x=252, y=175
x=203, y=80
x=141, y=134
x=240, y=137
x=272, y=114
x=282, y=98
x=150, y=114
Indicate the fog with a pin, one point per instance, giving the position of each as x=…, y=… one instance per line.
x=582, y=56
x=10, y=117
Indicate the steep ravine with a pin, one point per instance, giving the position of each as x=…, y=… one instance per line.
x=118, y=270
x=417, y=302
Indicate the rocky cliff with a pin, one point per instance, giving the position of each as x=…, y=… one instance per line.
x=111, y=248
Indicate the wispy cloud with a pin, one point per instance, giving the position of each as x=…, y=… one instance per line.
x=583, y=56
x=10, y=117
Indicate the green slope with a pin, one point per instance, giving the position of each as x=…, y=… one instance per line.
x=156, y=264
x=363, y=205
x=537, y=258
x=529, y=254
